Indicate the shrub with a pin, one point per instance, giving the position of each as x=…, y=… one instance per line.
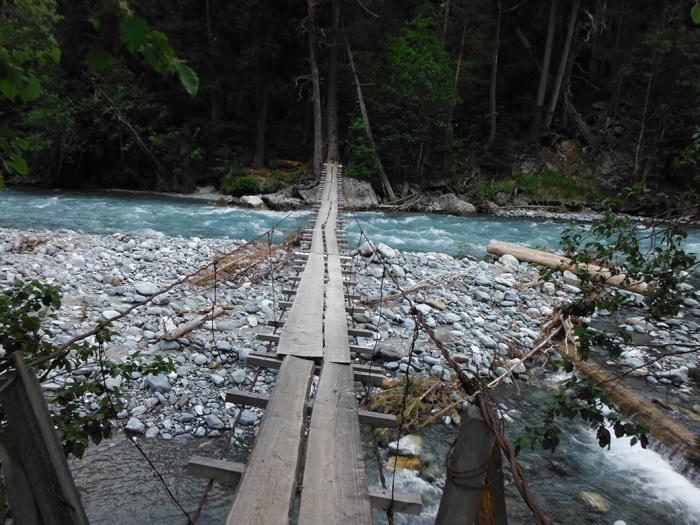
x=238, y=184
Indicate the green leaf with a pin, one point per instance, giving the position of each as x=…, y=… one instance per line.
x=31, y=90
x=8, y=88
x=98, y=58
x=56, y=54
x=695, y=13
x=19, y=165
x=188, y=78
x=133, y=33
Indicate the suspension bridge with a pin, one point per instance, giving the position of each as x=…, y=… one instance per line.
x=308, y=455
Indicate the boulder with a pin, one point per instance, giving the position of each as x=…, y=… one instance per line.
x=281, y=201
x=451, y=204
x=358, y=194
x=308, y=196
x=254, y=201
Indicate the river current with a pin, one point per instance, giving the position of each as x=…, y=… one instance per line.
x=107, y=214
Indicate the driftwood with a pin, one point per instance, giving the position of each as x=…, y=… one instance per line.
x=671, y=433
x=558, y=262
x=184, y=328
x=427, y=283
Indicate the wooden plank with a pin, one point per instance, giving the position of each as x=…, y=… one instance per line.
x=362, y=349
x=302, y=333
x=404, y=502
x=334, y=488
x=216, y=469
x=38, y=447
x=356, y=332
x=25, y=510
x=268, y=486
x=366, y=417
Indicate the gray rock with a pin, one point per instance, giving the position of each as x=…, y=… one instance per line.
x=424, y=309
x=159, y=383
x=385, y=251
x=200, y=359
x=248, y=418
x=509, y=260
x=213, y=421
x=134, y=425
x=449, y=203
x=359, y=194
x=450, y=318
x=217, y=379
x=152, y=432
x=145, y=288
x=375, y=271
x=238, y=376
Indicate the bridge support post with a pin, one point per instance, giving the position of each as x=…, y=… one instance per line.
x=474, y=480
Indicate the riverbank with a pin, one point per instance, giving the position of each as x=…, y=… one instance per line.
x=487, y=315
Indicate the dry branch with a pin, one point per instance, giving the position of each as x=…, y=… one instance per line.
x=191, y=325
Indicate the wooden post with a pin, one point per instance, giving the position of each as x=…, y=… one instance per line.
x=472, y=458
x=39, y=452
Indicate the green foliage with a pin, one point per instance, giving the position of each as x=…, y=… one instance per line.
x=24, y=309
x=237, y=183
x=488, y=189
x=415, y=95
x=360, y=161
x=635, y=253
x=140, y=41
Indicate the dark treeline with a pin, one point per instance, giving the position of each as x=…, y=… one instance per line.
x=480, y=95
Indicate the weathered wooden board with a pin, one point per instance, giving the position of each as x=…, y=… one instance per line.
x=39, y=454
x=302, y=334
x=268, y=486
x=334, y=488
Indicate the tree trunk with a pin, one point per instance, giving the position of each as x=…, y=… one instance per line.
x=642, y=129
x=143, y=146
x=261, y=125
x=214, y=113
x=262, y=97
x=386, y=185
x=544, y=73
x=562, y=63
x=316, y=99
x=494, y=75
x=458, y=69
x=332, y=154
x=444, y=22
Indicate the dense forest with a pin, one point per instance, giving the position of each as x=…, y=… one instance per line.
x=563, y=98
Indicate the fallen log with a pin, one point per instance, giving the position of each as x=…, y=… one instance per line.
x=668, y=431
x=184, y=328
x=552, y=260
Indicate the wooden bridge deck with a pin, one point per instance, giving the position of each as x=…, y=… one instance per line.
x=321, y=459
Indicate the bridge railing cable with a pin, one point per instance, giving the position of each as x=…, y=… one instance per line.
x=475, y=391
